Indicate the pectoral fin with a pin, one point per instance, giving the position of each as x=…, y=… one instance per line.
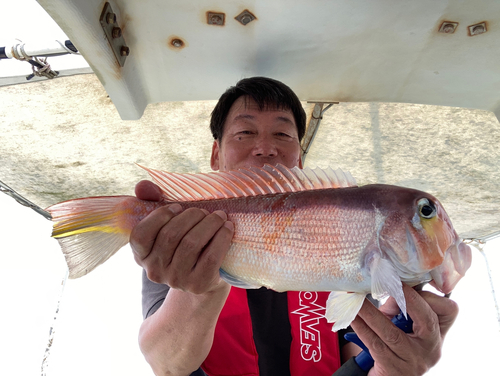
x=386, y=281
x=342, y=308
x=233, y=281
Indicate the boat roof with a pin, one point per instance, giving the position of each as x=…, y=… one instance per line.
x=415, y=87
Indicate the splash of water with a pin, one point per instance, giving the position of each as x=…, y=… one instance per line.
x=45, y=361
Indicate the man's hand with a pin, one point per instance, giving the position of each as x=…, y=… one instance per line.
x=183, y=249
x=398, y=353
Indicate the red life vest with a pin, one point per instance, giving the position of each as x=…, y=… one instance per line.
x=314, y=349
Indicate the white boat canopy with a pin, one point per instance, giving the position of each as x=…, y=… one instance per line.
x=428, y=52
x=390, y=65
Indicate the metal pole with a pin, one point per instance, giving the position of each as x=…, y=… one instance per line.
x=313, y=126
x=24, y=51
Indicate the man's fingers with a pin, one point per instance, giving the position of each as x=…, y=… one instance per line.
x=399, y=353
x=170, y=243
x=144, y=234
x=445, y=308
x=425, y=320
x=425, y=324
x=377, y=332
x=193, y=243
x=390, y=308
x=214, y=253
x=366, y=334
x=147, y=190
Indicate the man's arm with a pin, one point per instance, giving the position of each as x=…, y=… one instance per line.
x=398, y=353
x=183, y=250
x=177, y=338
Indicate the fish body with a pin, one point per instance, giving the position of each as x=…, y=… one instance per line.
x=319, y=240
x=294, y=231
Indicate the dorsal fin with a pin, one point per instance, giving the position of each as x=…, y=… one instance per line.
x=251, y=181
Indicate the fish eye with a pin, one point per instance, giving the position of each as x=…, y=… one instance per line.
x=426, y=208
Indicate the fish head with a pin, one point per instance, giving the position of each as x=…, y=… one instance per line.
x=422, y=239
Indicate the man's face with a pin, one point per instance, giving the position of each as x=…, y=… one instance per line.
x=253, y=137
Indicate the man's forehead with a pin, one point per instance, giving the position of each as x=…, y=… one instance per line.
x=246, y=103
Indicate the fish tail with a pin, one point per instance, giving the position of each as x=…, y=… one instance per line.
x=91, y=230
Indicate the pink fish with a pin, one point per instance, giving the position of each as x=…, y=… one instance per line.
x=295, y=230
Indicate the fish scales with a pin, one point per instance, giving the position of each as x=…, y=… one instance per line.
x=297, y=241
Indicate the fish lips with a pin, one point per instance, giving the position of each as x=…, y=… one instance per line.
x=457, y=260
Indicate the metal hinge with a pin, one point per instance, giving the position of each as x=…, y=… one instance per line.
x=114, y=34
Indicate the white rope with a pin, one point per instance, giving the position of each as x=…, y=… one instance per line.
x=479, y=245
x=45, y=71
x=15, y=52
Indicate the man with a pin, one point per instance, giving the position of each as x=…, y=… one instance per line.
x=202, y=320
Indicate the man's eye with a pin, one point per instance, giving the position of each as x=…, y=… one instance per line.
x=242, y=134
x=281, y=134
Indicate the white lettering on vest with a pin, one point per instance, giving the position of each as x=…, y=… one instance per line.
x=310, y=313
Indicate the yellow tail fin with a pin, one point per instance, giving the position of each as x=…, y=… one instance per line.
x=91, y=230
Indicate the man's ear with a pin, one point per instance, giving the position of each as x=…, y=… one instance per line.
x=214, y=159
x=300, y=162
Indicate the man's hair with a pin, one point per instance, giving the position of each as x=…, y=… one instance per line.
x=267, y=93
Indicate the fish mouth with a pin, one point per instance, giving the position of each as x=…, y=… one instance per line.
x=457, y=260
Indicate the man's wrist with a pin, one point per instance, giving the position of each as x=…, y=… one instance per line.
x=220, y=292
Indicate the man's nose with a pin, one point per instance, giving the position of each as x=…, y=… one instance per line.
x=264, y=147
